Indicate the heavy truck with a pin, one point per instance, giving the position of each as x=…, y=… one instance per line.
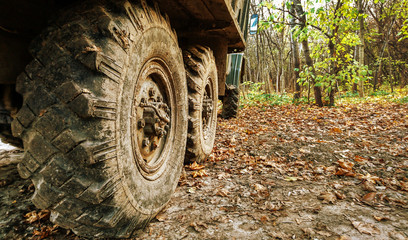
x=109, y=98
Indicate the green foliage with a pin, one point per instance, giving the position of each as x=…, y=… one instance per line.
x=380, y=93
x=331, y=30
x=348, y=94
x=255, y=96
x=403, y=100
x=380, y=96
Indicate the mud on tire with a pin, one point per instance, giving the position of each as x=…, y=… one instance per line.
x=202, y=84
x=230, y=102
x=101, y=69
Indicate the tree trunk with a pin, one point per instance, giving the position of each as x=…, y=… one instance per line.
x=382, y=51
x=295, y=54
x=360, y=5
x=305, y=44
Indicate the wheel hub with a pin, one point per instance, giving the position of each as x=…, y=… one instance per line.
x=207, y=110
x=152, y=117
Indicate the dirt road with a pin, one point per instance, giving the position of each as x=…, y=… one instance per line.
x=290, y=172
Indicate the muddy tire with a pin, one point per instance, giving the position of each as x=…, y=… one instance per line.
x=230, y=102
x=104, y=118
x=202, y=84
x=5, y=131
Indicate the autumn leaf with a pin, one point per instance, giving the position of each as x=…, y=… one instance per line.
x=161, y=217
x=194, y=166
x=344, y=172
x=382, y=218
x=291, y=179
x=200, y=173
x=328, y=197
x=369, y=186
x=369, y=178
x=260, y=188
x=366, y=228
x=404, y=186
x=33, y=216
x=360, y=159
x=264, y=219
x=369, y=197
x=335, y=130
x=340, y=195
x=45, y=232
x=345, y=164
x=222, y=192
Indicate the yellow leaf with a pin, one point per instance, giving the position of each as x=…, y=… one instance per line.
x=291, y=179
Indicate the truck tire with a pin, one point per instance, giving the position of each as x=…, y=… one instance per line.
x=230, y=102
x=202, y=85
x=5, y=131
x=104, y=118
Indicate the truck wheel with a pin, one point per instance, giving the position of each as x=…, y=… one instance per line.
x=230, y=102
x=202, y=84
x=104, y=118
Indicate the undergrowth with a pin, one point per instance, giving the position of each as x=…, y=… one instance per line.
x=256, y=97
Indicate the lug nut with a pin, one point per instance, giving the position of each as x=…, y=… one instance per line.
x=151, y=92
x=159, y=99
x=141, y=123
x=166, y=127
x=145, y=142
x=143, y=100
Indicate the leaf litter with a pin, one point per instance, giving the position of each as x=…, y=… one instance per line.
x=282, y=172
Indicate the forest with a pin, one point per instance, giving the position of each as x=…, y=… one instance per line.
x=320, y=50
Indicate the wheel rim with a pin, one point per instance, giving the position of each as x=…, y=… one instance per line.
x=207, y=115
x=152, y=117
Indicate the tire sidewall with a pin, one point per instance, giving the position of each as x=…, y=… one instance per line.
x=149, y=196
x=211, y=78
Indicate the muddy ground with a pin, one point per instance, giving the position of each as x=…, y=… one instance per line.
x=283, y=172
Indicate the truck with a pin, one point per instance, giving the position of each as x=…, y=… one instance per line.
x=109, y=98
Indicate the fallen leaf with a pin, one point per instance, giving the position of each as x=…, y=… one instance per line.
x=383, y=218
x=369, y=178
x=323, y=233
x=345, y=164
x=199, y=173
x=328, y=197
x=260, y=188
x=397, y=235
x=291, y=179
x=369, y=197
x=273, y=206
x=222, y=192
x=264, y=219
x=404, y=186
x=34, y=216
x=366, y=228
x=161, y=217
x=343, y=237
x=192, y=190
x=360, y=159
x=369, y=186
x=197, y=225
x=344, y=172
x=308, y=231
x=335, y=130
x=195, y=166
x=31, y=217
x=340, y=195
